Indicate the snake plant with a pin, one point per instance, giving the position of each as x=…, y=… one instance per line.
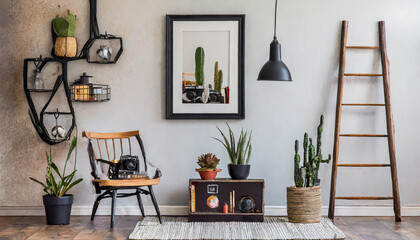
x=58, y=185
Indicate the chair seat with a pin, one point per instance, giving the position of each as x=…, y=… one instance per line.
x=133, y=182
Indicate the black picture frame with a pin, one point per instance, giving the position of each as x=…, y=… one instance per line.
x=170, y=19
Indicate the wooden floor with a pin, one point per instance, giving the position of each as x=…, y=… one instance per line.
x=81, y=227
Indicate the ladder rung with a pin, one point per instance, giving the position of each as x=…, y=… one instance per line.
x=363, y=165
x=363, y=104
x=364, y=198
x=363, y=74
x=363, y=135
x=363, y=47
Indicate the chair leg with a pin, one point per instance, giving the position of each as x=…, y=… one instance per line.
x=114, y=200
x=140, y=202
x=152, y=195
x=95, y=207
x=96, y=204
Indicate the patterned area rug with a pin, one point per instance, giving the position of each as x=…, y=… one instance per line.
x=271, y=228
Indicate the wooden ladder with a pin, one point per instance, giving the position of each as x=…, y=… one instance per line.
x=389, y=120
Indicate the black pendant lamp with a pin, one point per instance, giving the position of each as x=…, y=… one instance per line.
x=275, y=69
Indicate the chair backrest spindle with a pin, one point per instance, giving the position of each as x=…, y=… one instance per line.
x=107, y=150
x=121, y=145
x=129, y=145
x=113, y=148
x=99, y=148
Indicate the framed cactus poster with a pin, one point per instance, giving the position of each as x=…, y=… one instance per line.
x=205, y=66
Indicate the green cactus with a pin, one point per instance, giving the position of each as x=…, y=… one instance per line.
x=216, y=75
x=297, y=162
x=307, y=175
x=311, y=165
x=71, y=19
x=319, y=136
x=65, y=27
x=219, y=86
x=199, y=66
x=305, y=149
x=318, y=149
x=302, y=172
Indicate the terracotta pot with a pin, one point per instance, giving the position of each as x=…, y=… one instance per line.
x=65, y=47
x=208, y=174
x=304, y=204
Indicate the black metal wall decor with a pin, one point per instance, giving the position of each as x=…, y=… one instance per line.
x=94, y=35
x=105, y=55
x=38, y=120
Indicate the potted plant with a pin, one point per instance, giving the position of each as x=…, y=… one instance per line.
x=239, y=153
x=65, y=29
x=208, y=163
x=304, y=199
x=56, y=202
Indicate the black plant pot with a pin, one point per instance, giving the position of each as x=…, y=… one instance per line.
x=239, y=171
x=58, y=209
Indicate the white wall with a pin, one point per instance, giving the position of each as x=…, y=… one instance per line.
x=278, y=113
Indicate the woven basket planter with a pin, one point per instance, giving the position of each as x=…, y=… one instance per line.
x=304, y=204
x=65, y=47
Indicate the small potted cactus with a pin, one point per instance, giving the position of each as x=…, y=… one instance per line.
x=65, y=30
x=208, y=163
x=304, y=199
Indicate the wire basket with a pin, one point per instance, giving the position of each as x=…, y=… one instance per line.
x=90, y=92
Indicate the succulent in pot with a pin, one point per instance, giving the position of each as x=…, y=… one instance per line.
x=208, y=163
x=65, y=30
x=239, y=153
x=57, y=202
x=304, y=199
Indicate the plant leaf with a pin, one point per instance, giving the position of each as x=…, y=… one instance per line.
x=232, y=142
x=227, y=148
x=224, y=137
x=72, y=146
x=249, y=154
x=71, y=185
x=56, y=170
x=37, y=181
x=60, y=26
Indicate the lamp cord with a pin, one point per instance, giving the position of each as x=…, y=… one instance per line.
x=275, y=22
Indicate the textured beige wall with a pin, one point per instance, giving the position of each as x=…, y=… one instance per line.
x=277, y=112
x=24, y=33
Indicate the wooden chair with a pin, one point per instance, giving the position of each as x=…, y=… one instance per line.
x=108, y=188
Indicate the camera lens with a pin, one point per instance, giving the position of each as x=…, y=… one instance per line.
x=130, y=165
x=190, y=95
x=213, y=98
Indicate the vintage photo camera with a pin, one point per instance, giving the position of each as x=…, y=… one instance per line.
x=127, y=165
x=192, y=94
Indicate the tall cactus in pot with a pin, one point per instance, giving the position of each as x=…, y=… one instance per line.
x=199, y=66
x=307, y=175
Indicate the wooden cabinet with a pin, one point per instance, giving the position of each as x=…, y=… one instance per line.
x=207, y=199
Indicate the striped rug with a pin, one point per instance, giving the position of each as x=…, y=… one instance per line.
x=271, y=228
